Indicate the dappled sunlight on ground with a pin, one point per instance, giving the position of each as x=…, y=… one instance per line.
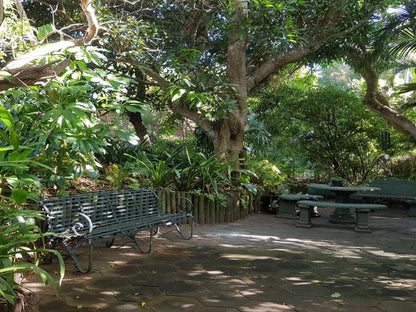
x=259, y=264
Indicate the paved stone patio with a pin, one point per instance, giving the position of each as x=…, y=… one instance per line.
x=260, y=263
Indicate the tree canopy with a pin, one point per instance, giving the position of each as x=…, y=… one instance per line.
x=205, y=57
x=201, y=60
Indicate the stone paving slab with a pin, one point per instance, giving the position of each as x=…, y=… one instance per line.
x=260, y=263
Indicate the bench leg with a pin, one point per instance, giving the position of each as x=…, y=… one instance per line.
x=361, y=221
x=412, y=210
x=305, y=213
x=149, y=248
x=110, y=243
x=71, y=252
x=184, y=236
x=287, y=209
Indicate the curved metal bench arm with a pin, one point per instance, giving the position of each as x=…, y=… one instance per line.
x=78, y=226
x=191, y=205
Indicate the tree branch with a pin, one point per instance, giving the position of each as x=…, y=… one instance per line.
x=25, y=73
x=92, y=21
x=57, y=10
x=1, y=12
x=181, y=109
x=277, y=62
x=375, y=100
x=206, y=126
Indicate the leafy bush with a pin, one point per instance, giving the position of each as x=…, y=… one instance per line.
x=20, y=235
x=268, y=175
x=19, y=232
x=63, y=121
x=401, y=166
x=152, y=174
x=184, y=168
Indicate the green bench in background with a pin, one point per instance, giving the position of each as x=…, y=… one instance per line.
x=391, y=190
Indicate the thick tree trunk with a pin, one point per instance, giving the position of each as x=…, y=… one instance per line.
x=230, y=134
x=138, y=91
x=376, y=101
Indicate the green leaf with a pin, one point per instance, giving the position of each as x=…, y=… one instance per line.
x=7, y=148
x=128, y=136
x=92, y=173
x=177, y=95
x=44, y=31
x=19, y=196
x=6, y=117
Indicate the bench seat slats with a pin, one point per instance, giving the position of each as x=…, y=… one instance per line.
x=139, y=224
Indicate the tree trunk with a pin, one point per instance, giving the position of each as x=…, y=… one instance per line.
x=136, y=119
x=230, y=134
x=376, y=101
x=1, y=12
x=138, y=91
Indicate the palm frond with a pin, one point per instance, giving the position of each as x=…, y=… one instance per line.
x=404, y=88
x=406, y=43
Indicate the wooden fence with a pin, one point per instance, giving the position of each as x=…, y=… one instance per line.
x=208, y=211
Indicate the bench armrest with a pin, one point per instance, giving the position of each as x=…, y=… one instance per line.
x=187, y=206
x=80, y=226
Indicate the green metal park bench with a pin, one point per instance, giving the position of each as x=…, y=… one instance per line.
x=391, y=190
x=92, y=218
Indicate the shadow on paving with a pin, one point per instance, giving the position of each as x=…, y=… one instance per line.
x=261, y=263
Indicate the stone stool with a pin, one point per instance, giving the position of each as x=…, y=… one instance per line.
x=287, y=204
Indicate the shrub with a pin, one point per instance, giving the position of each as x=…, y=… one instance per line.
x=268, y=175
x=21, y=235
x=401, y=167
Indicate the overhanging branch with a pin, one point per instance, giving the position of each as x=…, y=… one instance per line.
x=277, y=62
x=376, y=101
x=24, y=70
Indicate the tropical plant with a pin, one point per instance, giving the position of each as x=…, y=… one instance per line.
x=63, y=123
x=120, y=177
x=404, y=48
x=20, y=233
x=155, y=174
x=267, y=175
x=22, y=236
x=16, y=162
x=205, y=174
x=185, y=169
x=257, y=137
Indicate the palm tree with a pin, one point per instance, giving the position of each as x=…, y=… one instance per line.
x=403, y=28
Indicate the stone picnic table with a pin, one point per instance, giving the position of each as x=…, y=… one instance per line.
x=342, y=195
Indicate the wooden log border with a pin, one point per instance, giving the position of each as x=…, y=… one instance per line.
x=207, y=211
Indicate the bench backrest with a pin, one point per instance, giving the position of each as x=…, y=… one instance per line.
x=395, y=187
x=102, y=208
